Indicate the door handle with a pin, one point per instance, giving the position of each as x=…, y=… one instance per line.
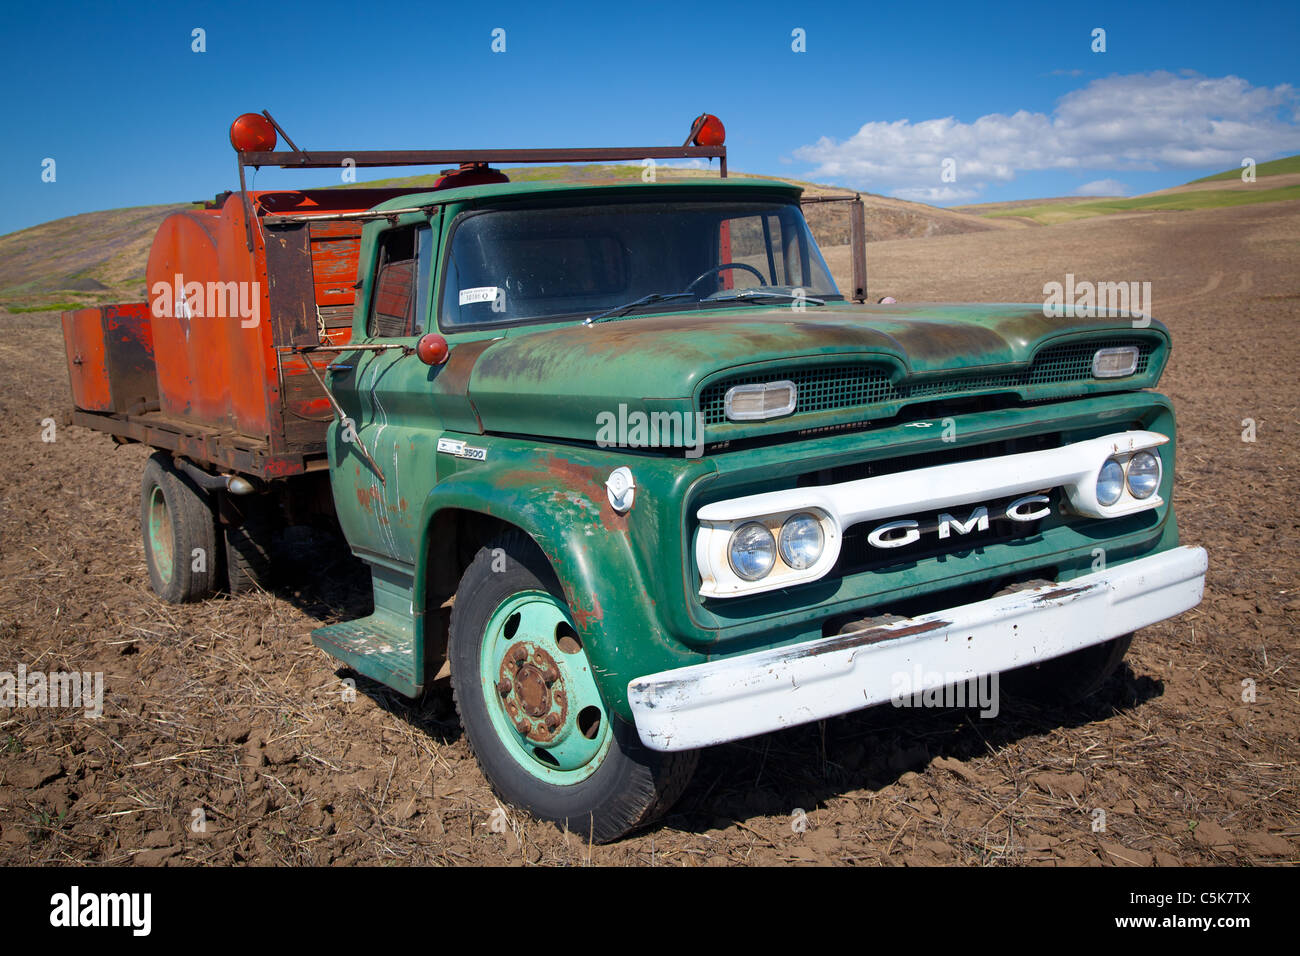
x=338, y=367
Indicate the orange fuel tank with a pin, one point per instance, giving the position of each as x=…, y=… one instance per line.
x=219, y=310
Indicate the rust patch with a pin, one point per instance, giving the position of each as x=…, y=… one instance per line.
x=584, y=617
x=453, y=377
x=1060, y=593
x=531, y=691
x=570, y=473
x=584, y=480
x=367, y=497
x=872, y=635
x=282, y=467
x=573, y=479
x=612, y=520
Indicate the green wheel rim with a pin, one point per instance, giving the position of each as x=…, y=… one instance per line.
x=160, y=534
x=539, y=690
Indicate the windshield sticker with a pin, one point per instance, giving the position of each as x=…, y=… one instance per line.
x=483, y=293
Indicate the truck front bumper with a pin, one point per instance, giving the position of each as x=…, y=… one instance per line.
x=756, y=693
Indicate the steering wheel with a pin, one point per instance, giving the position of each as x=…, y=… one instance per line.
x=716, y=269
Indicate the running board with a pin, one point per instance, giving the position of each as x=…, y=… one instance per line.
x=387, y=646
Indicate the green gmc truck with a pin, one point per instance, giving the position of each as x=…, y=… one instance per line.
x=627, y=463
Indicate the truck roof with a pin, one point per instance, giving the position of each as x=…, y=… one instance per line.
x=505, y=190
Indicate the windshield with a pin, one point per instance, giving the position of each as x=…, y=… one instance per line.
x=522, y=265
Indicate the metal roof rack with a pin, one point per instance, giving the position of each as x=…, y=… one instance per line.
x=296, y=158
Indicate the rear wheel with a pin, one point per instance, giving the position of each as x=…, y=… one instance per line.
x=1071, y=678
x=532, y=711
x=179, y=531
x=248, y=534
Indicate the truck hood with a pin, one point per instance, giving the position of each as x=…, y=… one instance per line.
x=558, y=382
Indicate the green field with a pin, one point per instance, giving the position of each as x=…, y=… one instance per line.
x=1276, y=167
x=1207, y=199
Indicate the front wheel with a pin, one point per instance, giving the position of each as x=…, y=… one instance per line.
x=531, y=710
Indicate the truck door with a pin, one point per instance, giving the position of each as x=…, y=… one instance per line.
x=387, y=396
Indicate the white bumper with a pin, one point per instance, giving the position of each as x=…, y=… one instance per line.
x=737, y=697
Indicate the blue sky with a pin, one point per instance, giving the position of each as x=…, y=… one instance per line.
x=1013, y=93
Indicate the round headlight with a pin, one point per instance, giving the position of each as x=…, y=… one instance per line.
x=1110, y=482
x=752, y=551
x=802, y=541
x=1143, y=474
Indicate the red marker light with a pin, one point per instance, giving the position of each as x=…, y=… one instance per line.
x=432, y=349
x=709, y=130
x=252, y=133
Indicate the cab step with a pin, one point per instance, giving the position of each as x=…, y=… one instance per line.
x=387, y=646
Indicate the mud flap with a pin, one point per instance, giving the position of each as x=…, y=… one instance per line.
x=387, y=646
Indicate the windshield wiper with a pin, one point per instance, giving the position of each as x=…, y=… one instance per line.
x=741, y=294
x=644, y=300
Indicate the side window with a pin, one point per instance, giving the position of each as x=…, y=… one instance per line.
x=400, y=294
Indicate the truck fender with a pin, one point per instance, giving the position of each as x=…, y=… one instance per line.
x=561, y=504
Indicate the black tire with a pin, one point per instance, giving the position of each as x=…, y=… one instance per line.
x=249, y=533
x=1068, y=679
x=179, y=530
x=630, y=784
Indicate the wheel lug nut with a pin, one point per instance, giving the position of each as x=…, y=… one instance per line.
x=552, y=721
x=503, y=687
x=523, y=726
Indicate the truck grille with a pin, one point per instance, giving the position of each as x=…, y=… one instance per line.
x=854, y=386
x=858, y=555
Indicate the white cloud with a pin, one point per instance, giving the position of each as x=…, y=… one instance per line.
x=935, y=194
x=1143, y=121
x=1102, y=187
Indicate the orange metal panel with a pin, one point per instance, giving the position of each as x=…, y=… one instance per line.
x=83, y=338
x=110, y=357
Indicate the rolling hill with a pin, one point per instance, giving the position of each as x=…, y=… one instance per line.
x=1275, y=181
